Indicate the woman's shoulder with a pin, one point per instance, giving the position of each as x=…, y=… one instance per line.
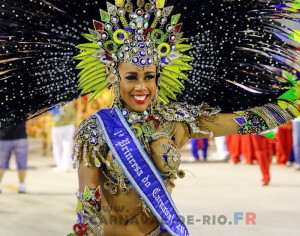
x=90, y=146
x=89, y=131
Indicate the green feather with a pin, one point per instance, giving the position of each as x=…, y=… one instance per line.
x=295, y=36
x=291, y=78
x=163, y=97
x=270, y=135
x=172, y=88
x=87, y=62
x=182, y=40
x=179, y=66
x=94, y=85
x=99, y=91
x=174, y=82
x=91, y=76
x=167, y=91
x=88, y=37
x=93, y=81
x=289, y=95
x=174, y=74
x=183, y=47
x=88, y=46
x=83, y=55
x=92, y=73
x=87, y=81
x=88, y=70
x=186, y=58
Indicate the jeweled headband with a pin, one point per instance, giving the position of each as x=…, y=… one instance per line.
x=150, y=35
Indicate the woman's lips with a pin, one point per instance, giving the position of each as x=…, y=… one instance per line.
x=140, y=99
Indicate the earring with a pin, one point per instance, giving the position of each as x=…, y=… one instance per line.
x=154, y=103
x=116, y=94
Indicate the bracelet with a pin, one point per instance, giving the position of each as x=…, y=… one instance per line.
x=250, y=123
x=88, y=213
x=258, y=119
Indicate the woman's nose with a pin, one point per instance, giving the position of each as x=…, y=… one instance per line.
x=141, y=86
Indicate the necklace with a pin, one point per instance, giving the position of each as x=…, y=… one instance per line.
x=149, y=123
x=143, y=124
x=135, y=117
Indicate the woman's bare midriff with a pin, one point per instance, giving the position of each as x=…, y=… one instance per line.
x=122, y=215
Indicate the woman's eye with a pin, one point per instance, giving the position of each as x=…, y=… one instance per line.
x=130, y=77
x=149, y=77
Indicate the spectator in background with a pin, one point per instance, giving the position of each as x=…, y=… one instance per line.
x=285, y=143
x=199, y=144
x=15, y=141
x=252, y=147
x=296, y=142
x=263, y=153
x=40, y=128
x=234, y=143
x=222, y=149
x=62, y=136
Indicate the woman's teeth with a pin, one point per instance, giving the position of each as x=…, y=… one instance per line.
x=140, y=98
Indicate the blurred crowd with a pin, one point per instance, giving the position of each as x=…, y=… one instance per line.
x=284, y=150
x=55, y=129
x=42, y=126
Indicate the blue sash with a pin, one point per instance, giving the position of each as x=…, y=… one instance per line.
x=139, y=169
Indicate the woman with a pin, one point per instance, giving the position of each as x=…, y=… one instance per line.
x=128, y=156
x=137, y=90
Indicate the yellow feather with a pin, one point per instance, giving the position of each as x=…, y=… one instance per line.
x=283, y=104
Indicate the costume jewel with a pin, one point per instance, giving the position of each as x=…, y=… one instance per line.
x=181, y=174
x=89, y=204
x=80, y=229
x=148, y=128
x=142, y=204
x=87, y=194
x=135, y=117
x=137, y=130
x=260, y=119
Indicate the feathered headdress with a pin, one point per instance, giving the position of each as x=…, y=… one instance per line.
x=246, y=51
x=141, y=35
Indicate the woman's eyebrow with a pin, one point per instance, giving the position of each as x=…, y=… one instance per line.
x=150, y=72
x=131, y=73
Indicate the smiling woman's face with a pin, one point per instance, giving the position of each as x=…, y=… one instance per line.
x=137, y=87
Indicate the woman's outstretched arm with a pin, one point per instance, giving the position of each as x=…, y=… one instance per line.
x=255, y=120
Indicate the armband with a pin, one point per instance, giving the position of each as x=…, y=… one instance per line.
x=88, y=213
x=260, y=119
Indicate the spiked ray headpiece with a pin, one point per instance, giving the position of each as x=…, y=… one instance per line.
x=144, y=36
